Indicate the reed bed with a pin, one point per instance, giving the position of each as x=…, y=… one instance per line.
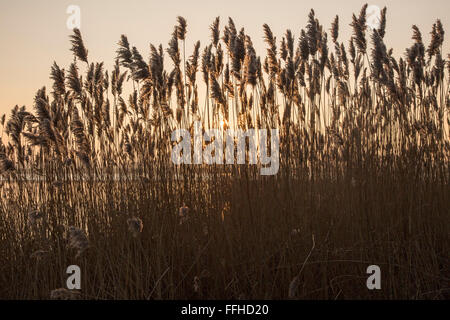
x=87, y=177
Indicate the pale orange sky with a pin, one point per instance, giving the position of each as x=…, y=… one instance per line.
x=34, y=33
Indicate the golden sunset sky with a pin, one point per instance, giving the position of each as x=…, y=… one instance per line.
x=34, y=33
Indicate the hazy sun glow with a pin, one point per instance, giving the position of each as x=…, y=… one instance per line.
x=36, y=34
